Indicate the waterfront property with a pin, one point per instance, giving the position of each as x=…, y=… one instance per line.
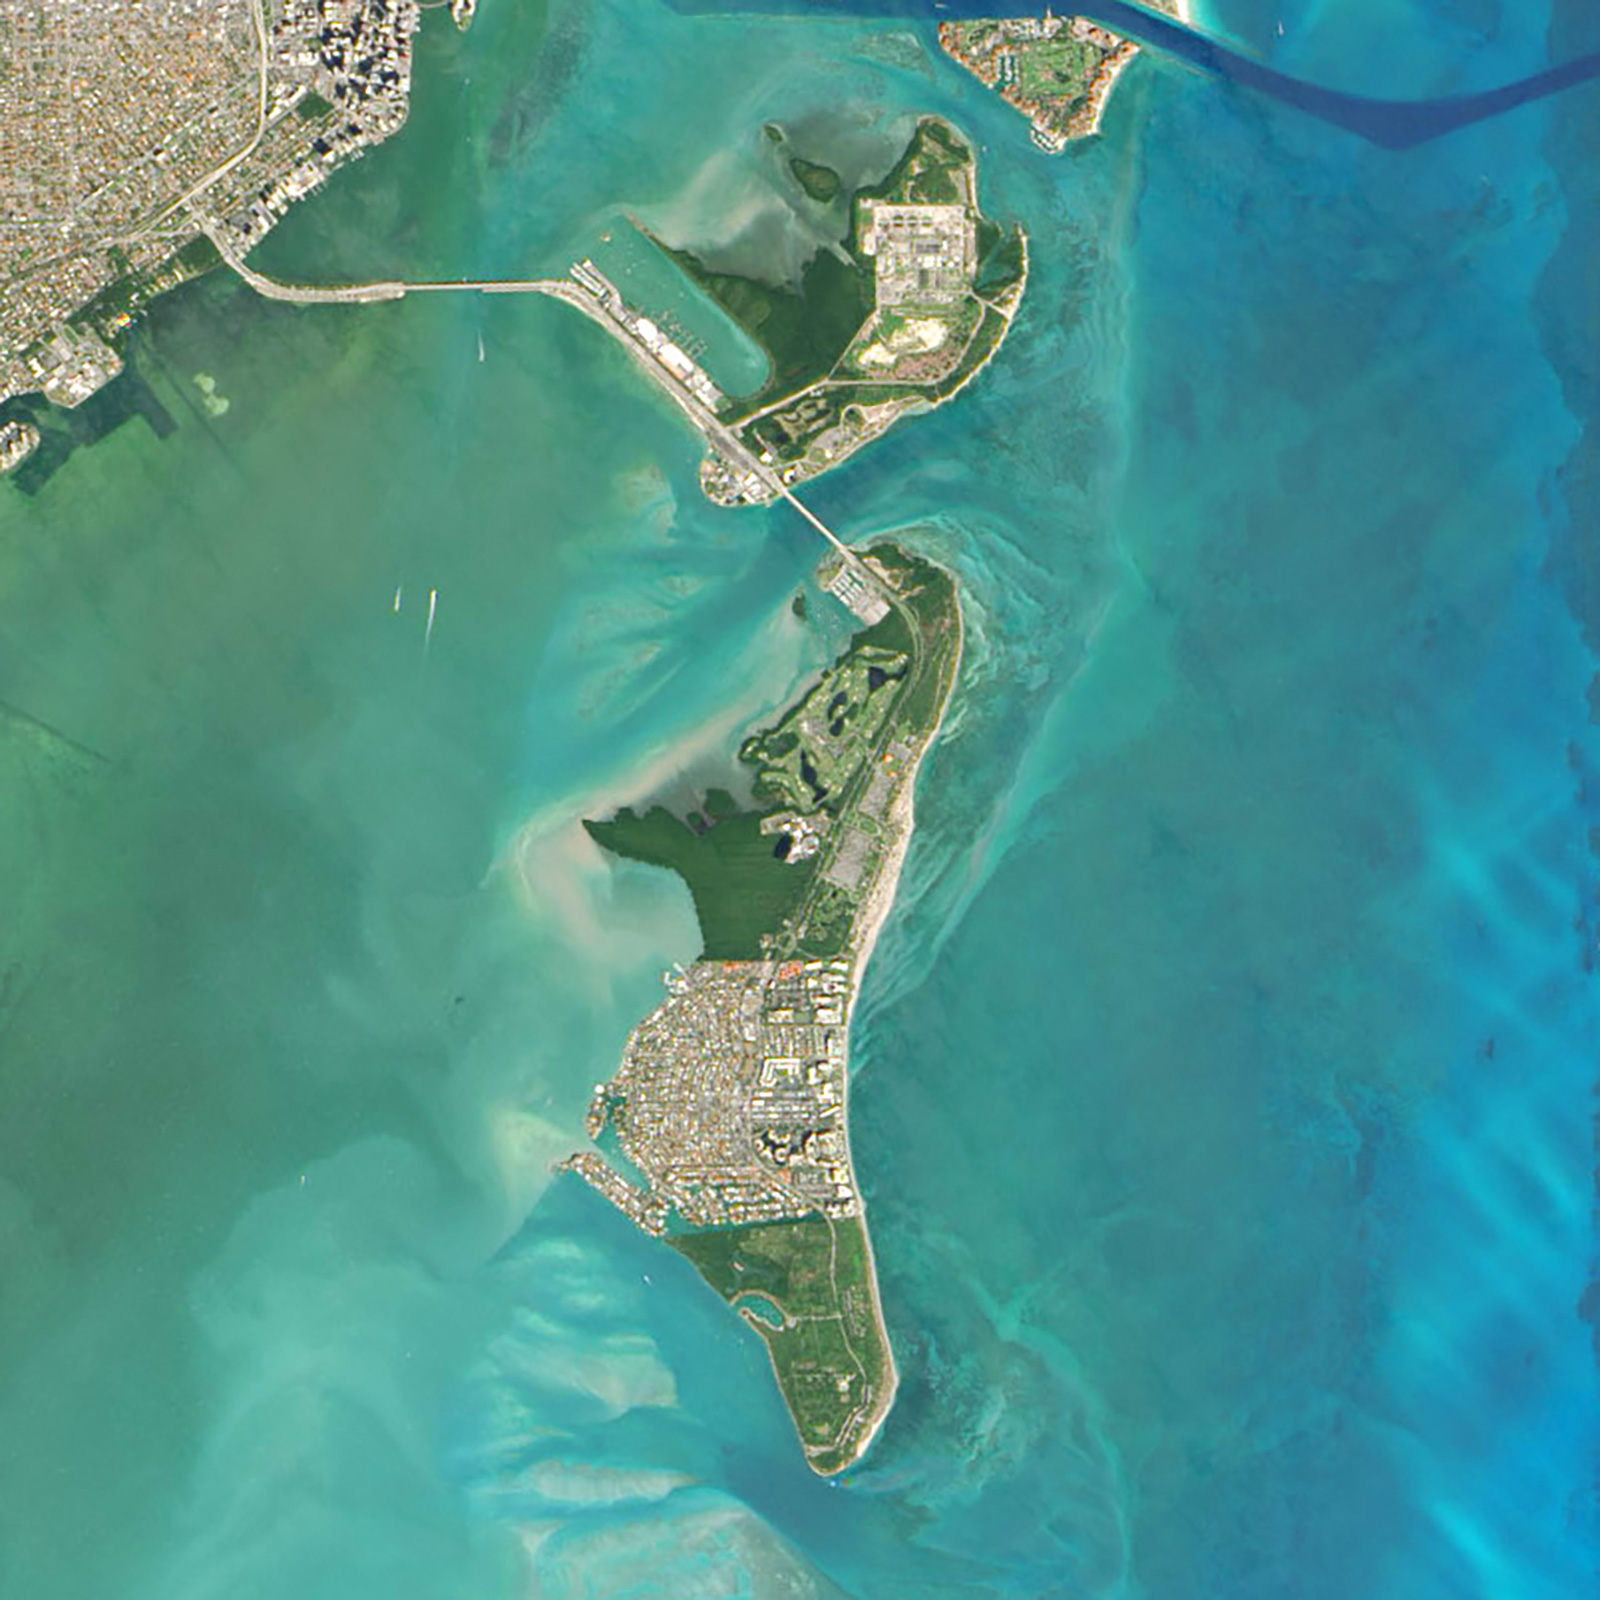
x=1057, y=71
x=18, y=440
x=126, y=141
x=900, y=314
x=730, y=1102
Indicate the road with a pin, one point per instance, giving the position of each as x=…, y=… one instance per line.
x=258, y=20
x=721, y=438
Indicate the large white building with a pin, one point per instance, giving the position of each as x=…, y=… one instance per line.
x=922, y=254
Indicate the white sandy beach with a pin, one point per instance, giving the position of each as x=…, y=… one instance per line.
x=880, y=901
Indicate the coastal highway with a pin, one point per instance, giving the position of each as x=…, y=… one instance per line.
x=721, y=438
x=355, y=294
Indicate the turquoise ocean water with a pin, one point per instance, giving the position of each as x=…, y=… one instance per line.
x=1225, y=1076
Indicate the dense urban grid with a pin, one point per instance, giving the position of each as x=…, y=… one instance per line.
x=129, y=132
x=730, y=1096
x=1057, y=71
x=724, y=1129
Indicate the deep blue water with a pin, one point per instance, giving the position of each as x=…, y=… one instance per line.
x=1394, y=123
x=1224, y=1093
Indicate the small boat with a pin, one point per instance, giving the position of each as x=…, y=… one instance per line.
x=400, y=590
x=427, y=633
x=480, y=347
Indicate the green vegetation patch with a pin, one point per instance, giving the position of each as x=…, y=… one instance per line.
x=811, y=756
x=198, y=256
x=790, y=431
x=929, y=593
x=788, y=1262
x=935, y=169
x=127, y=296
x=828, y=1357
x=804, y=331
x=976, y=36
x=926, y=626
x=313, y=107
x=124, y=296
x=1058, y=69
x=1000, y=258
x=830, y=917
x=817, y=758
x=818, y=181
x=741, y=889
x=821, y=1379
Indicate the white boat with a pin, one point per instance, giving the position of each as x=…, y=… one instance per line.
x=427, y=633
x=400, y=590
x=480, y=347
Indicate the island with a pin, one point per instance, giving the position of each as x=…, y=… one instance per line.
x=1057, y=71
x=724, y=1130
x=897, y=317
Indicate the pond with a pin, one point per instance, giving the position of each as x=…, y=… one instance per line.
x=759, y=1306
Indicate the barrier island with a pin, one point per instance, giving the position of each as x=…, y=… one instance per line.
x=1057, y=71
x=729, y=1109
x=897, y=317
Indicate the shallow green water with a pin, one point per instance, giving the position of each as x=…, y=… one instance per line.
x=1216, y=1083
x=648, y=279
x=758, y=1305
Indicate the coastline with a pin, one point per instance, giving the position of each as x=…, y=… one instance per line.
x=1183, y=10
x=879, y=904
x=1084, y=122
x=927, y=601
x=298, y=140
x=1100, y=90
x=918, y=405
